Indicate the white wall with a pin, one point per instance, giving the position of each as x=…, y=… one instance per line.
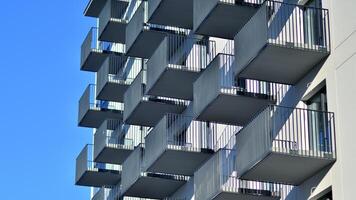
x=340, y=72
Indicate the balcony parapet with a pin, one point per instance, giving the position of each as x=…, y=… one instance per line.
x=299, y=138
x=94, y=52
x=93, y=112
x=219, y=96
x=90, y=173
x=290, y=40
x=176, y=64
x=115, y=76
x=217, y=179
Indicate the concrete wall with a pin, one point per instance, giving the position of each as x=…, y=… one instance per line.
x=157, y=63
x=135, y=26
x=247, y=48
x=206, y=88
x=133, y=95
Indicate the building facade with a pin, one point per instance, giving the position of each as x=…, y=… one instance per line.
x=219, y=99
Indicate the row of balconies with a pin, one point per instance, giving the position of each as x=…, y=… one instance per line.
x=280, y=145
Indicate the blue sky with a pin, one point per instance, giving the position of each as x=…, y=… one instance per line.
x=40, y=87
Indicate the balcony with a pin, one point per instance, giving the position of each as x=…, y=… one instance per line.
x=138, y=182
x=286, y=145
x=115, y=77
x=89, y=173
x=222, y=18
x=145, y=110
x=290, y=40
x=176, y=64
x=142, y=38
x=220, y=98
x=112, y=21
x=165, y=12
x=113, y=141
x=95, y=52
x=92, y=112
x=217, y=180
x=179, y=145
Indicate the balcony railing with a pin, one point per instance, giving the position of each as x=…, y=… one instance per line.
x=298, y=26
x=119, y=70
x=247, y=87
x=88, y=102
x=92, y=43
x=217, y=176
x=135, y=167
x=296, y=131
x=179, y=132
x=192, y=53
x=84, y=162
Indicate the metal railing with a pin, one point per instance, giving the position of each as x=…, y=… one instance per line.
x=181, y=133
x=135, y=167
x=180, y=52
x=115, y=134
x=218, y=175
x=118, y=69
x=88, y=102
x=298, y=26
x=91, y=43
x=191, y=53
x=248, y=87
x=84, y=162
x=297, y=131
x=136, y=93
x=131, y=134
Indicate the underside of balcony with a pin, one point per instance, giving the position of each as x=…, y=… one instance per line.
x=287, y=168
x=223, y=20
x=113, y=91
x=94, y=60
x=93, y=118
x=146, y=43
x=114, y=153
x=154, y=186
x=165, y=12
x=245, y=194
x=236, y=109
x=94, y=8
x=149, y=112
x=114, y=31
x=99, y=178
x=180, y=160
x=176, y=81
x=282, y=63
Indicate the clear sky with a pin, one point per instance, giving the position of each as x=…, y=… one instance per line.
x=40, y=87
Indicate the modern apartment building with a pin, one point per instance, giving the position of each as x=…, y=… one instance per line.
x=219, y=99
